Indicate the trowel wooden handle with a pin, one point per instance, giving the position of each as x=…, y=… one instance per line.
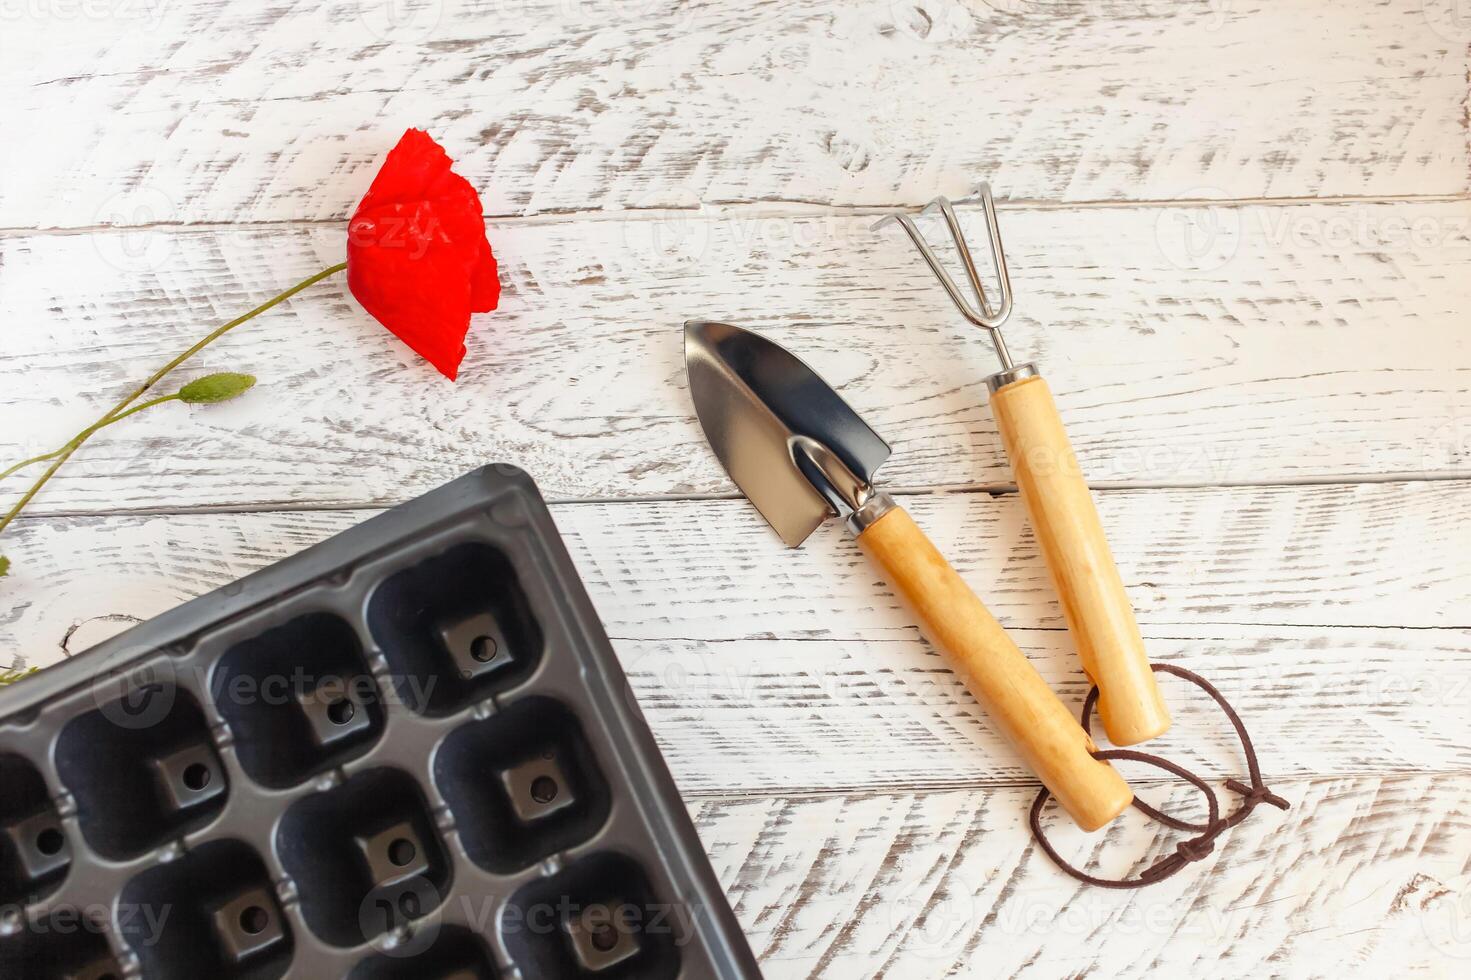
x=996, y=672
x=1066, y=523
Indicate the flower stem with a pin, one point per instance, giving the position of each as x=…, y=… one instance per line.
x=87, y=432
x=71, y=447
x=27, y=462
x=10, y=676
x=121, y=409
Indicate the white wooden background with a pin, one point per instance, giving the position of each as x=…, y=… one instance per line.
x=1240, y=233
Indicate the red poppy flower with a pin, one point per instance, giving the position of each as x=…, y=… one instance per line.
x=417, y=257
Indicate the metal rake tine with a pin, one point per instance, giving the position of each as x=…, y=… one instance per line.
x=987, y=317
x=933, y=261
x=996, y=317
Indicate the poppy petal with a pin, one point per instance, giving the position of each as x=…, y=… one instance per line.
x=417, y=256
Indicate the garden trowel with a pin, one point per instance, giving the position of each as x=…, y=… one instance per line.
x=801, y=455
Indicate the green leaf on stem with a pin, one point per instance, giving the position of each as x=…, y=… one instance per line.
x=4, y=566
x=216, y=388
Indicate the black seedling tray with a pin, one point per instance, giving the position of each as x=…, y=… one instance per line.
x=408, y=752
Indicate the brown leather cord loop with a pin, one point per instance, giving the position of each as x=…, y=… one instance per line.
x=1189, y=851
x=1185, y=853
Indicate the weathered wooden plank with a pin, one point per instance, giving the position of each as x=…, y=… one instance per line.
x=135, y=111
x=1365, y=876
x=772, y=670
x=1329, y=341
x=790, y=715
x=1361, y=555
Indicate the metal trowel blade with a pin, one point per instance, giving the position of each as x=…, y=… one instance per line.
x=767, y=415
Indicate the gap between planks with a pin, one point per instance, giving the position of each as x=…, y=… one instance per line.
x=1216, y=781
x=718, y=209
x=992, y=489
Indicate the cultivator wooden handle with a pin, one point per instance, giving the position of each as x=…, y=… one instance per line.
x=996, y=672
x=1088, y=584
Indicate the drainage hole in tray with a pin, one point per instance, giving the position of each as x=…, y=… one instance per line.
x=50, y=841
x=543, y=789
x=254, y=920
x=196, y=776
x=340, y=712
x=402, y=851
x=484, y=649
